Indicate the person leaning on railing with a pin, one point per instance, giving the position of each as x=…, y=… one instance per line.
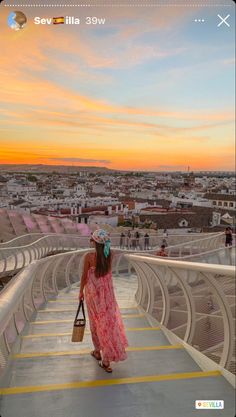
x=162, y=251
x=228, y=237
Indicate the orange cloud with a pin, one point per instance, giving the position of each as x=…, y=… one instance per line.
x=49, y=95
x=54, y=122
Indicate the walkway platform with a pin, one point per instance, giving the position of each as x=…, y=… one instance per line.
x=51, y=377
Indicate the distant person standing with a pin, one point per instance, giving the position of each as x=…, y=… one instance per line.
x=162, y=251
x=165, y=233
x=164, y=237
x=122, y=240
x=228, y=237
x=128, y=239
x=133, y=241
x=137, y=237
x=146, y=241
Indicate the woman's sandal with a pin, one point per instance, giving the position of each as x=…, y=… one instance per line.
x=94, y=355
x=108, y=369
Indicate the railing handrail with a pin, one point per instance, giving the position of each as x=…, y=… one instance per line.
x=197, y=240
x=20, y=237
x=11, y=295
x=58, y=235
x=179, y=245
x=210, y=252
x=180, y=283
x=22, y=295
x=193, y=266
x=186, y=257
x=54, y=235
x=12, y=259
x=43, y=234
x=16, y=288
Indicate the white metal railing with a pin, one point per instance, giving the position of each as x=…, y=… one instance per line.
x=21, y=240
x=153, y=240
x=30, y=289
x=194, y=301
x=14, y=258
x=220, y=256
x=210, y=250
x=206, y=250
x=196, y=246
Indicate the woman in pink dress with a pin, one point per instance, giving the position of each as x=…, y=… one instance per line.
x=106, y=325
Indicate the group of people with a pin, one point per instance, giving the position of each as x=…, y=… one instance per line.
x=135, y=240
x=132, y=240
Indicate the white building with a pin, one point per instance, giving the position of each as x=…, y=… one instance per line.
x=223, y=201
x=139, y=206
x=20, y=188
x=112, y=220
x=80, y=191
x=99, y=188
x=190, y=199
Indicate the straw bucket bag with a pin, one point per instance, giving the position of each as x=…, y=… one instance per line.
x=79, y=325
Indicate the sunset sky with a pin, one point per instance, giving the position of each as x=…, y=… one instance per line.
x=150, y=90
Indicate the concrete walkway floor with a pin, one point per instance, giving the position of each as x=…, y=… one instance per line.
x=51, y=377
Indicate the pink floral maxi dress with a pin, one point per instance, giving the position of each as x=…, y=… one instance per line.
x=106, y=324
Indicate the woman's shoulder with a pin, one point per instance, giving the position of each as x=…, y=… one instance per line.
x=89, y=257
x=89, y=261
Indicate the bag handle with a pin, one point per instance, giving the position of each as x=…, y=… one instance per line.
x=81, y=306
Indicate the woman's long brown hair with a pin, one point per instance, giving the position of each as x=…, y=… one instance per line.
x=103, y=264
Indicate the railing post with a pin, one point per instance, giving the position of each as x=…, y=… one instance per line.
x=191, y=320
x=42, y=278
x=149, y=285
x=139, y=293
x=145, y=289
x=160, y=278
x=229, y=329
x=68, y=266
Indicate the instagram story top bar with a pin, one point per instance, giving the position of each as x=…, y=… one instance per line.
x=122, y=3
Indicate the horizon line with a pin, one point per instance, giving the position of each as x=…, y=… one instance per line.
x=112, y=169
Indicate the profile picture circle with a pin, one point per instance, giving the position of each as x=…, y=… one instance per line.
x=17, y=20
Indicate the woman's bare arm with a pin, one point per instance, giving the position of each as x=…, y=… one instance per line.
x=84, y=277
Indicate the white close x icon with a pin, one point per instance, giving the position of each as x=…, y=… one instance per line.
x=223, y=20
